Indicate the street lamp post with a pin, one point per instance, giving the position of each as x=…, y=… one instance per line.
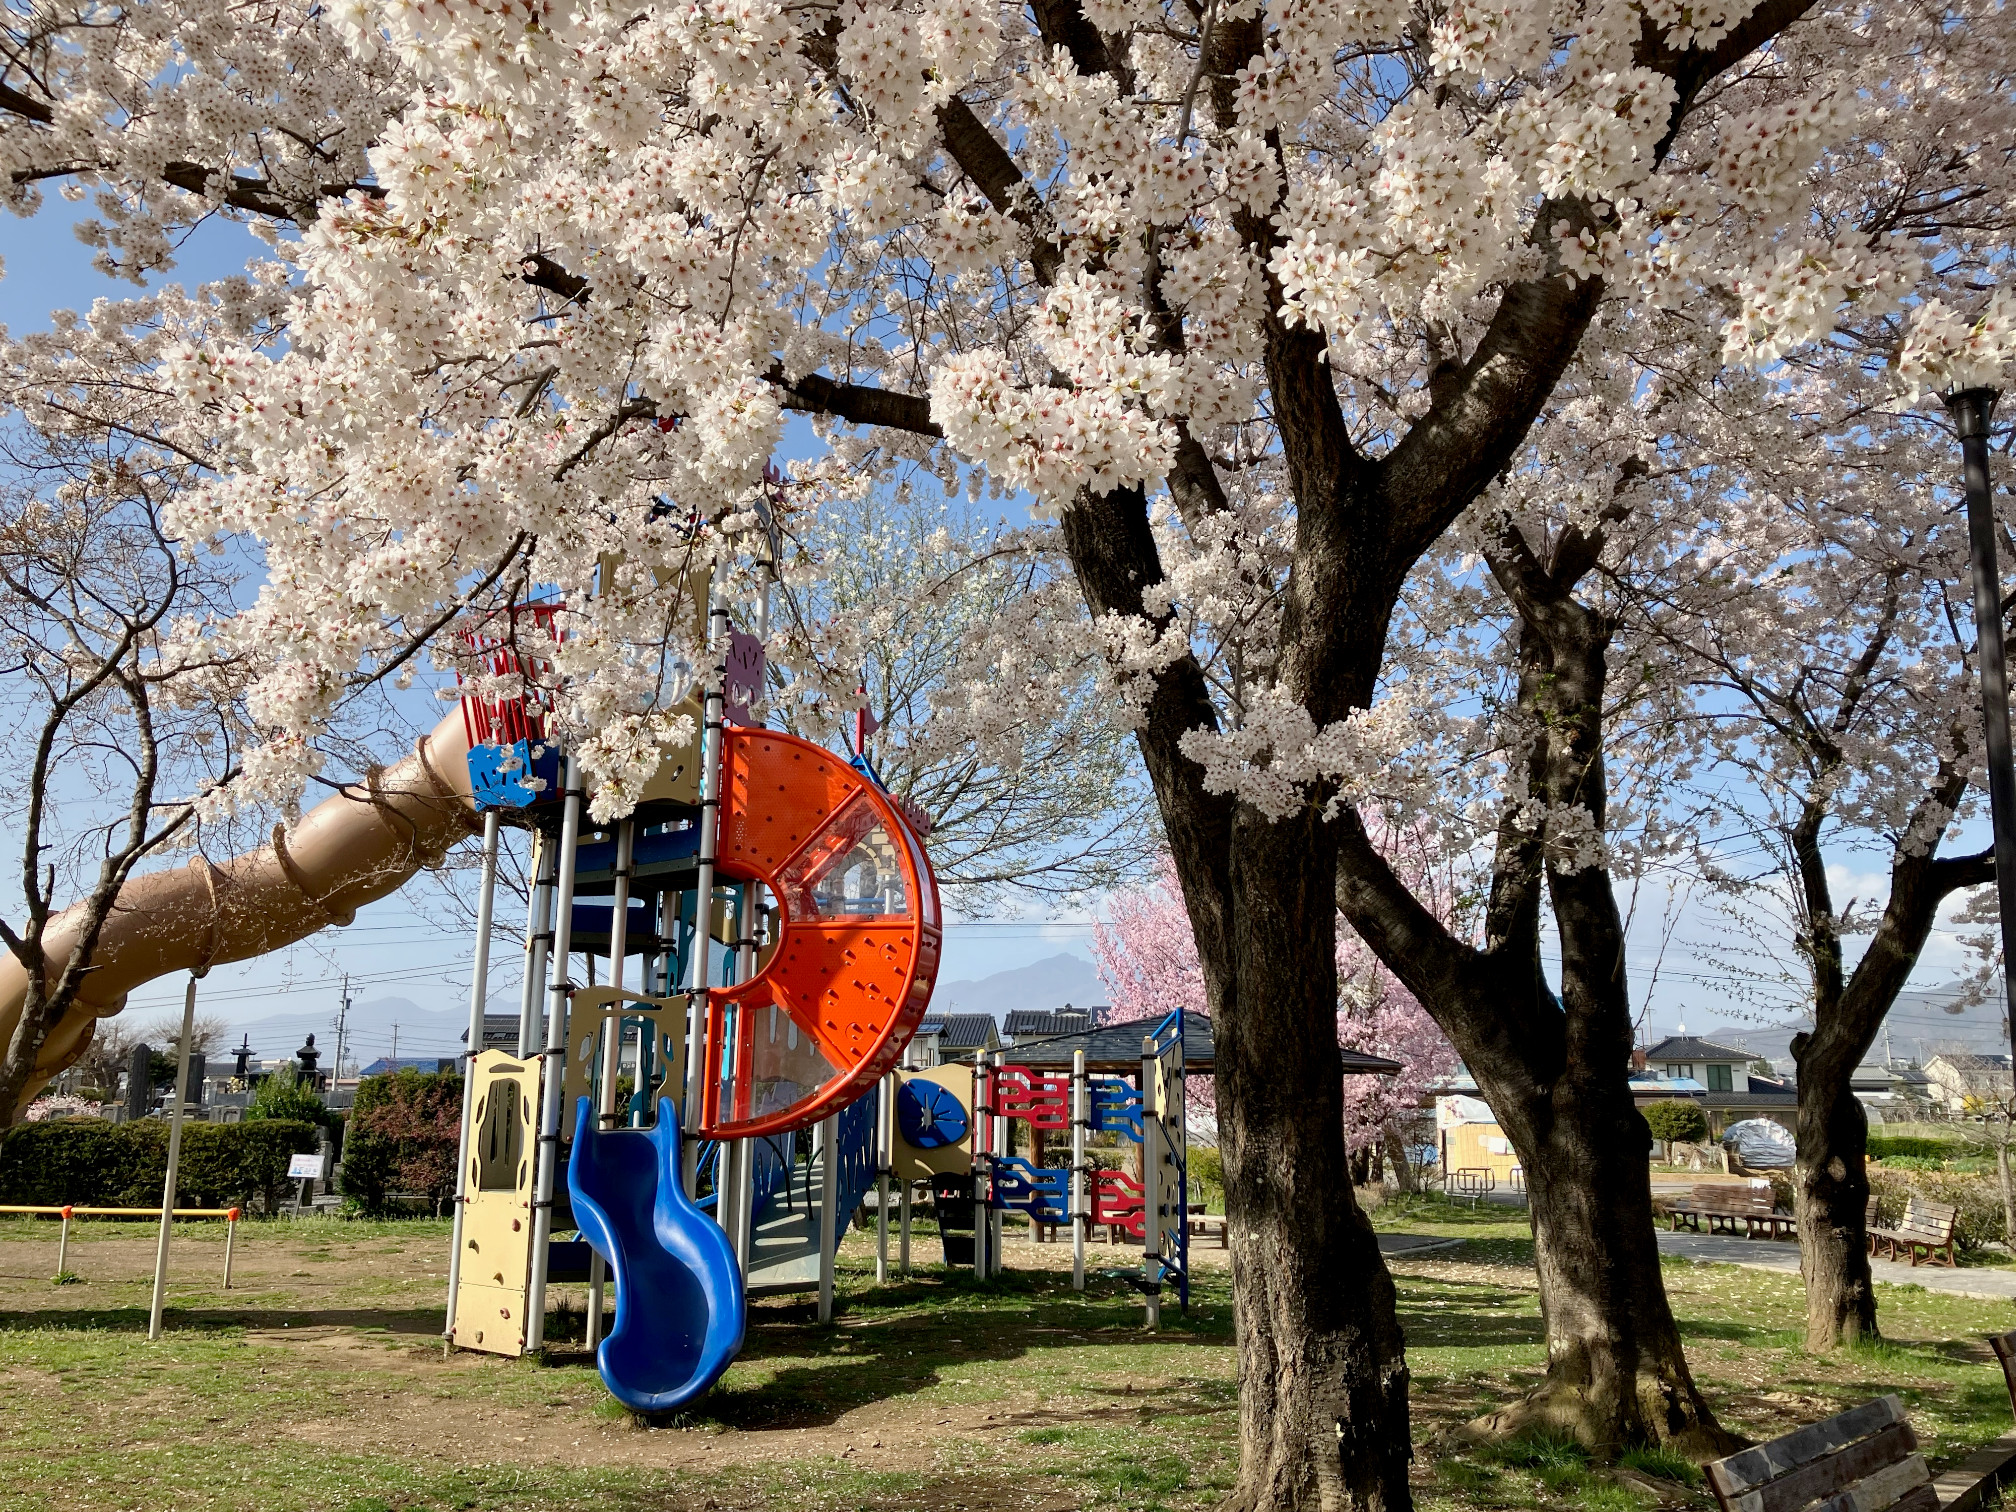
x=1973, y=410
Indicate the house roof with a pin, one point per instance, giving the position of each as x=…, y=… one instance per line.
x=962, y=1031
x=1117, y=1047
x=1685, y=1047
x=385, y=1065
x=1039, y=1022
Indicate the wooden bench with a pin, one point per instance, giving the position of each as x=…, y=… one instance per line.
x=2004, y=1346
x=1725, y=1206
x=1205, y=1225
x=1925, y=1230
x=1863, y=1460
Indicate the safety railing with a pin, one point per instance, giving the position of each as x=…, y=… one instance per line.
x=230, y=1216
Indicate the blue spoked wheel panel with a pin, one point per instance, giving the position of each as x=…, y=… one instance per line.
x=930, y=1115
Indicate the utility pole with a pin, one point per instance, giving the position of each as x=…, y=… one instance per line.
x=342, y=1022
x=395, y=1046
x=1888, y=1058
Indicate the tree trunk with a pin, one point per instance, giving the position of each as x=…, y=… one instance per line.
x=1403, y=1169
x=1830, y=1195
x=1322, y=1365
x=1616, y=1373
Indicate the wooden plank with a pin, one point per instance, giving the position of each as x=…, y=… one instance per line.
x=1903, y=1487
x=1965, y=1486
x=1843, y=1472
x=1751, y=1467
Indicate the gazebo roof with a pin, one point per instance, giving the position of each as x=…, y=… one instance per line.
x=1117, y=1048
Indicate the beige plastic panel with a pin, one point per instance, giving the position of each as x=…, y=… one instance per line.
x=497, y=1220
x=592, y=1007
x=906, y=1161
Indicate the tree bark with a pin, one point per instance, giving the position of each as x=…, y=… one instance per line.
x=1323, y=1376
x=1322, y=1367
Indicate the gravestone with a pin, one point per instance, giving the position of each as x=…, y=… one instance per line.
x=140, y=1082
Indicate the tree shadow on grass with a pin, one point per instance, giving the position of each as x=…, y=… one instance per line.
x=404, y=1321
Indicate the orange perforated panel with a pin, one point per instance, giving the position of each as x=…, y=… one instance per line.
x=779, y=790
x=855, y=962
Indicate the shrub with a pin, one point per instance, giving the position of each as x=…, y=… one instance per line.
x=1890, y=1146
x=88, y=1162
x=405, y=1129
x=1677, y=1120
x=281, y=1096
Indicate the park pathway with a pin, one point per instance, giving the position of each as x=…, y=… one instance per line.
x=1995, y=1284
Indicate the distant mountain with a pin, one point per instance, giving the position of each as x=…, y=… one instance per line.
x=1049, y=983
x=1920, y=1025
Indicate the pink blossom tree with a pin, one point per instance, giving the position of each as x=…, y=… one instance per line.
x=1147, y=958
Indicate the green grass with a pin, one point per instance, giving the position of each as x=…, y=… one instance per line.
x=320, y=1383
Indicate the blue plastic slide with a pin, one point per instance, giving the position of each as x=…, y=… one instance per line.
x=679, y=1310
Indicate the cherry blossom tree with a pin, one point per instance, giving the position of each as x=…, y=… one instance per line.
x=1832, y=686
x=1147, y=958
x=1256, y=301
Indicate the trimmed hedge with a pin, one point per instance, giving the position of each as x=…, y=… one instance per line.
x=1910, y=1146
x=88, y=1162
x=405, y=1129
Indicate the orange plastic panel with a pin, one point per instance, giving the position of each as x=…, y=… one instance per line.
x=858, y=943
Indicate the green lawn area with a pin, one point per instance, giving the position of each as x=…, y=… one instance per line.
x=319, y=1382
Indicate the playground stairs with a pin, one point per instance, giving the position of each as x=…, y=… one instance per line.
x=784, y=1246
x=784, y=1241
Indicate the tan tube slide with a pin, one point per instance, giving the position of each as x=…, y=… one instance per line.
x=352, y=849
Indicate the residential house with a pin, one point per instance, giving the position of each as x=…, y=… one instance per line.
x=1958, y=1078
x=1682, y=1057
x=952, y=1036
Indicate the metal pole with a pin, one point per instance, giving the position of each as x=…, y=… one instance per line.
x=230, y=1237
x=63, y=1247
x=983, y=1161
x=1973, y=411
x=903, y=1240
x=703, y=902
x=612, y=1044
x=538, y=935
x=884, y=1105
x=556, y=1049
x=479, y=997
x=829, y=1203
x=1151, y=1184
x=174, y=1157
x=1081, y=1207
x=997, y=1250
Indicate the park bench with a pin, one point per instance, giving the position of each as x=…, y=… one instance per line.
x=1725, y=1206
x=1925, y=1229
x=1863, y=1460
x=2004, y=1346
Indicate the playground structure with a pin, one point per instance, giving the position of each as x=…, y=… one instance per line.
x=952, y=1125
x=784, y=921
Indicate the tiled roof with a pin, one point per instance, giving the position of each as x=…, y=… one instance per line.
x=962, y=1031
x=1027, y=1022
x=1685, y=1047
x=1117, y=1047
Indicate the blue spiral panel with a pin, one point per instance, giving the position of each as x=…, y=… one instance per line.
x=679, y=1296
